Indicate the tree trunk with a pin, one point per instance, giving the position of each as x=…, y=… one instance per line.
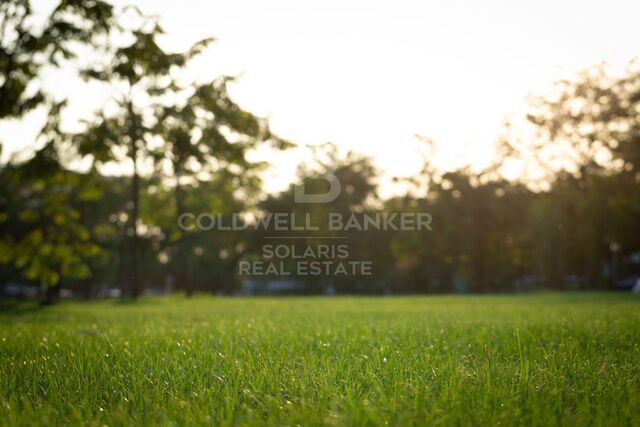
x=135, y=288
x=182, y=260
x=51, y=295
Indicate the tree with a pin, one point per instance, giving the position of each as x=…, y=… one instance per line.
x=357, y=176
x=138, y=73
x=208, y=135
x=26, y=49
x=586, y=124
x=587, y=137
x=41, y=231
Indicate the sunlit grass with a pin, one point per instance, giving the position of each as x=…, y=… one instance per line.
x=571, y=359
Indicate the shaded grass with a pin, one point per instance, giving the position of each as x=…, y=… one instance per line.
x=544, y=359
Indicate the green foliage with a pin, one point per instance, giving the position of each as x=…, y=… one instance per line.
x=187, y=143
x=593, y=113
x=41, y=232
x=357, y=177
x=204, y=134
x=25, y=48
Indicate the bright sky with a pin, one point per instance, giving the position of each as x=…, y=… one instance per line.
x=370, y=75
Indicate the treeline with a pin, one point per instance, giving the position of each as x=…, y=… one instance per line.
x=570, y=221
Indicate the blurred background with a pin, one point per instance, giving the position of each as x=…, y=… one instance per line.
x=515, y=126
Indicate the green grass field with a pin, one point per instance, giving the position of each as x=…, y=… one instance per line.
x=548, y=359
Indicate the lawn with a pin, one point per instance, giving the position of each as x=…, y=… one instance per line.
x=542, y=359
